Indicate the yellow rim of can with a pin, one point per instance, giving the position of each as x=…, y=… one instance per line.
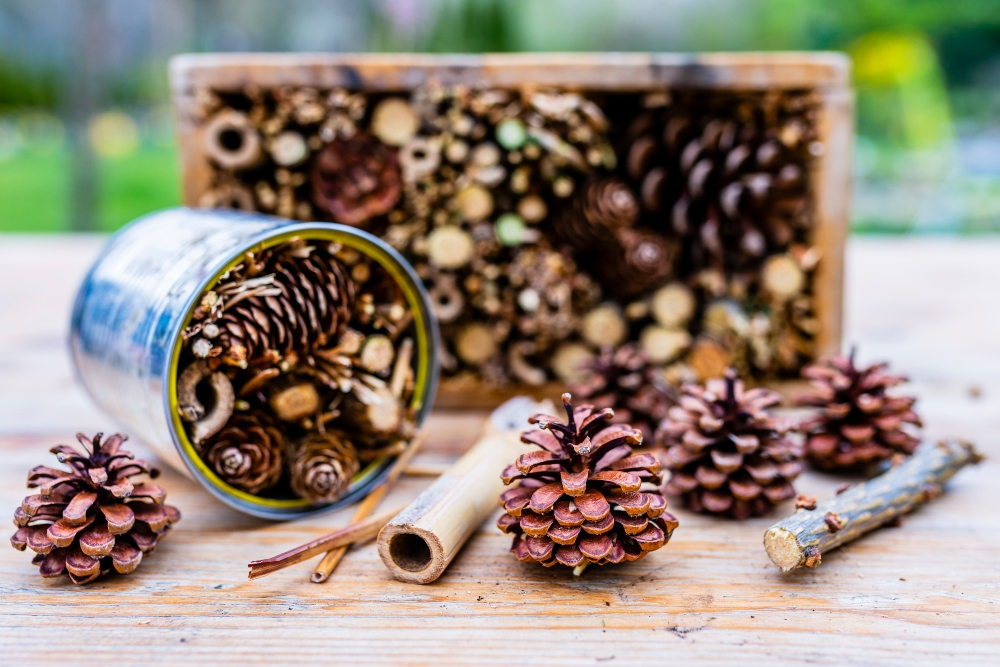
x=423, y=343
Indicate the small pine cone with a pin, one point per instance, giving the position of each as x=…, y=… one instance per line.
x=307, y=305
x=356, y=179
x=322, y=467
x=582, y=495
x=726, y=452
x=604, y=206
x=247, y=453
x=636, y=262
x=91, y=519
x=624, y=377
x=859, y=423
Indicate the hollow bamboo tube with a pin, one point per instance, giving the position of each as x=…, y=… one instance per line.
x=419, y=543
x=800, y=539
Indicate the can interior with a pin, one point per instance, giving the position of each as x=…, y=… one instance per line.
x=424, y=353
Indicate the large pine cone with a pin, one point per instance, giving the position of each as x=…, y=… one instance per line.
x=356, y=179
x=307, y=304
x=731, y=178
x=247, y=453
x=624, y=377
x=859, y=423
x=322, y=467
x=604, y=206
x=726, y=452
x=91, y=518
x=582, y=495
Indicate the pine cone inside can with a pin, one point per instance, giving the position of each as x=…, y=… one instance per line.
x=91, y=519
x=322, y=467
x=291, y=298
x=583, y=496
x=624, y=379
x=859, y=422
x=727, y=454
x=356, y=179
x=248, y=453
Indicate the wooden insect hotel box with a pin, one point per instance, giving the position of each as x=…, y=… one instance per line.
x=691, y=207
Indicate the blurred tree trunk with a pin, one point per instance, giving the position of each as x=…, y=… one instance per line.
x=82, y=100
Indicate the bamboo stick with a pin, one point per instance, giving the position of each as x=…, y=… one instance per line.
x=366, y=507
x=419, y=544
x=801, y=539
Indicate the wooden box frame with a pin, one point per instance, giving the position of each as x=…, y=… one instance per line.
x=828, y=74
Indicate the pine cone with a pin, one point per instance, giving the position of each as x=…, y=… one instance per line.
x=306, y=305
x=731, y=176
x=635, y=262
x=247, y=453
x=356, y=179
x=726, y=453
x=91, y=518
x=605, y=206
x=859, y=423
x=580, y=496
x=624, y=377
x=322, y=467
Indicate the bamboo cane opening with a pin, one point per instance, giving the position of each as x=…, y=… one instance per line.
x=409, y=551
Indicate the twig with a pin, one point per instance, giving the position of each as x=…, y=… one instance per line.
x=355, y=532
x=402, y=367
x=426, y=469
x=366, y=507
x=800, y=539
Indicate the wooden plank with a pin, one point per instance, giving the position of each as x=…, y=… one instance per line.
x=925, y=593
x=605, y=71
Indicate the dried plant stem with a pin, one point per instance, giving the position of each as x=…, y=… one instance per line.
x=800, y=539
x=355, y=532
x=426, y=469
x=365, y=508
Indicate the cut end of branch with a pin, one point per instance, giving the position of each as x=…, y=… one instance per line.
x=783, y=548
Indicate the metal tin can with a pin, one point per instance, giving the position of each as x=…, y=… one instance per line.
x=138, y=297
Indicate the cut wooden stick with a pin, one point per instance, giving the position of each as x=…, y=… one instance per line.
x=419, y=543
x=366, y=507
x=801, y=539
x=355, y=532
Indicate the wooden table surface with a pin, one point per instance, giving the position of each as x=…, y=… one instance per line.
x=928, y=592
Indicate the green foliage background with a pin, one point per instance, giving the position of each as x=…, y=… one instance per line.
x=927, y=75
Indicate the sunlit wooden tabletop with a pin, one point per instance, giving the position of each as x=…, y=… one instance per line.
x=925, y=593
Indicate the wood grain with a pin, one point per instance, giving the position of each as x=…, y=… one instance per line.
x=926, y=593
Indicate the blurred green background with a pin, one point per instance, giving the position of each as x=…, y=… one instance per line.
x=86, y=133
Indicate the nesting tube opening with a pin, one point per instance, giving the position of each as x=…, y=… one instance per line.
x=410, y=552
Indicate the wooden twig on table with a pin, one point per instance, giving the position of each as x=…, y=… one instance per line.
x=800, y=539
x=366, y=507
x=355, y=532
